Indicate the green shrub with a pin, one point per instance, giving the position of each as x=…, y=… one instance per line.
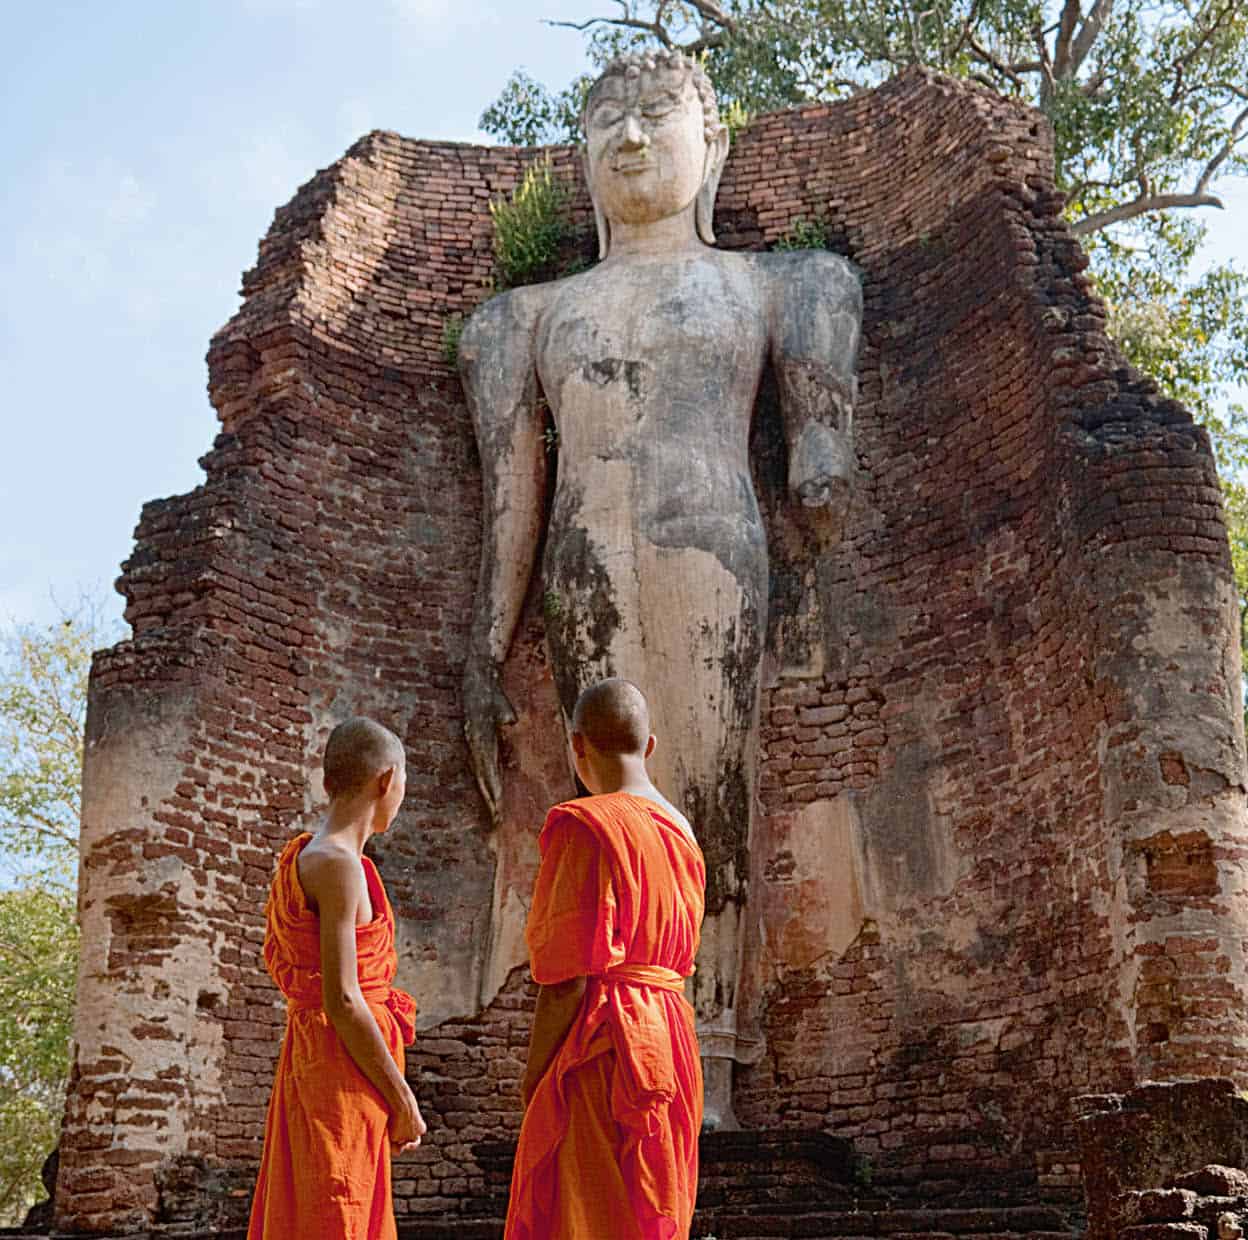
x=805, y=234
x=529, y=227
x=452, y=329
x=735, y=117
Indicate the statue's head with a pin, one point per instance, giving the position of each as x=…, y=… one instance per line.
x=654, y=143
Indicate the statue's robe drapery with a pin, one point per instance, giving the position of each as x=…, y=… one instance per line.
x=609, y=1144
x=326, y=1165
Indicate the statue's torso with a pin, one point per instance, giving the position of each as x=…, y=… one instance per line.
x=651, y=367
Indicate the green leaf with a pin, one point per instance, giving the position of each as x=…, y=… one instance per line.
x=43, y=701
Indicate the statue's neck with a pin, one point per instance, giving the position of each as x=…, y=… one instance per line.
x=677, y=234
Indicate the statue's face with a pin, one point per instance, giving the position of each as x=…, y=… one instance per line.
x=646, y=146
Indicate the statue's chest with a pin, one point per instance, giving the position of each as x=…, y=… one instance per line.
x=669, y=319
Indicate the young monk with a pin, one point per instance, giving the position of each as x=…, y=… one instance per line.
x=613, y=1089
x=340, y=1102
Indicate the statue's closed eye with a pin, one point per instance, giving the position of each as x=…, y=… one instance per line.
x=608, y=116
x=652, y=109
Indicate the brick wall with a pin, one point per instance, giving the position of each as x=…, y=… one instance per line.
x=1002, y=824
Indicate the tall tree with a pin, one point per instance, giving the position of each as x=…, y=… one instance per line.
x=1148, y=100
x=43, y=694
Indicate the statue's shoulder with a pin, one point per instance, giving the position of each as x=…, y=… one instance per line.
x=797, y=275
x=513, y=313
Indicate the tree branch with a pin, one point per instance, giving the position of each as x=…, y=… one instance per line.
x=1092, y=87
x=1181, y=62
x=999, y=65
x=1046, y=67
x=1088, y=34
x=952, y=50
x=916, y=32
x=1071, y=13
x=628, y=23
x=1237, y=132
x=713, y=13
x=42, y=825
x=1141, y=206
x=706, y=43
x=710, y=13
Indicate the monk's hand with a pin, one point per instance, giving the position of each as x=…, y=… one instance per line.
x=406, y=1125
x=486, y=709
x=821, y=465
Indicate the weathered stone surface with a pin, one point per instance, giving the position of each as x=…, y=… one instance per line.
x=1230, y=1224
x=1024, y=629
x=1150, y=1155
x=1157, y=1205
x=1164, y=1231
x=655, y=565
x=1214, y=1181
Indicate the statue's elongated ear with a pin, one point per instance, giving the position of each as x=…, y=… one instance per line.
x=704, y=211
x=601, y=223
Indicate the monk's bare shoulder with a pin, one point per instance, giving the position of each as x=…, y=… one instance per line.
x=330, y=875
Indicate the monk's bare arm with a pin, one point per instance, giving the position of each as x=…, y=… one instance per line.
x=335, y=887
x=497, y=363
x=557, y=1006
x=816, y=323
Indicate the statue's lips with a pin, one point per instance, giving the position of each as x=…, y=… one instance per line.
x=632, y=166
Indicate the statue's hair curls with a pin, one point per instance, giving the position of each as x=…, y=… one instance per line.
x=634, y=64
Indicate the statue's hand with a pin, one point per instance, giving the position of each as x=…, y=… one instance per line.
x=486, y=709
x=821, y=465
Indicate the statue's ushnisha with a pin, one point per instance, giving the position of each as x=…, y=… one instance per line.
x=656, y=556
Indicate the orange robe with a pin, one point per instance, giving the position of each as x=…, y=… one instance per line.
x=609, y=1145
x=326, y=1166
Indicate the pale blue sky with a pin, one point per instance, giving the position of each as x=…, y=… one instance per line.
x=146, y=145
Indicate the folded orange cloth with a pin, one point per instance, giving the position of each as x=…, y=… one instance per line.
x=609, y=1145
x=326, y=1166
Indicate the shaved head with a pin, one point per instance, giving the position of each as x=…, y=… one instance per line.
x=613, y=717
x=357, y=751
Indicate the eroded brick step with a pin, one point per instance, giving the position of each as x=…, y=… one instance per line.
x=822, y=1226
x=960, y=1222
x=794, y=1222
x=805, y=1225
x=811, y=1229
x=1023, y=1223
x=452, y=1229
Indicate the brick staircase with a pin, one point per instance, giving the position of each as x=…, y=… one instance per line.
x=1189, y=1207
x=804, y=1186
x=792, y=1186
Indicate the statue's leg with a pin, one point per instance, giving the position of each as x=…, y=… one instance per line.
x=689, y=631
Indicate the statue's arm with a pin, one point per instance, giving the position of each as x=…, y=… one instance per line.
x=497, y=364
x=816, y=325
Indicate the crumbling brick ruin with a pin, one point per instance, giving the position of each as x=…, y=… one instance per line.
x=1000, y=861
x=1155, y=1160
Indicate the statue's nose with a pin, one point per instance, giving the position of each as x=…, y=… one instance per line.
x=634, y=137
